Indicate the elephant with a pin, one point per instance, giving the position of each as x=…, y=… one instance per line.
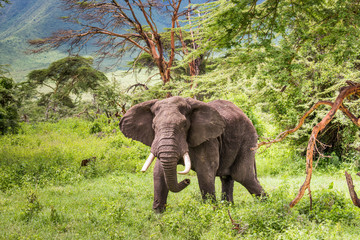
x=213, y=139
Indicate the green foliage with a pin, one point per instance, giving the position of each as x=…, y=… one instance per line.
x=31, y=208
x=118, y=206
x=2, y=2
x=284, y=57
x=51, y=153
x=9, y=105
x=329, y=204
x=61, y=86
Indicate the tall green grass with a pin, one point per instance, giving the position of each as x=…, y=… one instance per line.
x=45, y=194
x=118, y=206
x=51, y=153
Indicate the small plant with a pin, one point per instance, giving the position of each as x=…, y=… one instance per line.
x=32, y=208
x=55, y=217
x=95, y=128
x=329, y=204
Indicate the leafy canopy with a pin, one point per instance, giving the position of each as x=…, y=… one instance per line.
x=9, y=104
x=63, y=83
x=69, y=75
x=2, y=2
x=283, y=55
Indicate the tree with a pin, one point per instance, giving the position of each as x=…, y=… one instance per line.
x=9, y=104
x=54, y=86
x=338, y=104
x=118, y=28
x=2, y=2
x=286, y=55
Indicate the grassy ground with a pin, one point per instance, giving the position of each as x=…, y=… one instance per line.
x=46, y=195
x=119, y=207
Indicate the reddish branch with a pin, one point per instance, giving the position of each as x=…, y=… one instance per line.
x=353, y=194
x=345, y=92
x=237, y=226
x=282, y=135
x=338, y=104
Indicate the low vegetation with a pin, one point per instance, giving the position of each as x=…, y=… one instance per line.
x=45, y=193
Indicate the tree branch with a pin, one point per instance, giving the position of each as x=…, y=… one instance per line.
x=284, y=134
x=353, y=195
x=345, y=92
x=312, y=141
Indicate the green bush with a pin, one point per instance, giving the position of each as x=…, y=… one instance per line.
x=9, y=105
x=329, y=205
x=51, y=153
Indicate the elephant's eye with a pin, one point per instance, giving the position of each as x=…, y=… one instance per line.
x=183, y=124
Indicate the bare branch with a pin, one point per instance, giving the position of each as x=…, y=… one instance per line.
x=312, y=141
x=137, y=85
x=284, y=134
x=237, y=226
x=353, y=195
x=116, y=27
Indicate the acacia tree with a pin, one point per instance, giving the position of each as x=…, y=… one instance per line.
x=9, y=104
x=121, y=27
x=287, y=55
x=2, y=2
x=63, y=80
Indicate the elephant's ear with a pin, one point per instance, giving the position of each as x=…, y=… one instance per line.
x=206, y=123
x=137, y=123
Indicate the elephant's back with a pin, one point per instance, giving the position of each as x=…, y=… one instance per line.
x=239, y=127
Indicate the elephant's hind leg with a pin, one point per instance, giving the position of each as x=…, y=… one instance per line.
x=227, y=188
x=244, y=172
x=254, y=187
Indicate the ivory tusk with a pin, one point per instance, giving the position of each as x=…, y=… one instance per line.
x=187, y=163
x=148, y=162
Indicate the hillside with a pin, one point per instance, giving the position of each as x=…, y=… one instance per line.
x=24, y=20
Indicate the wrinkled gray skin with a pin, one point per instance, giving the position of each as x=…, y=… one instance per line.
x=217, y=135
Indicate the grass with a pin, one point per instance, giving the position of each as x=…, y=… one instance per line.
x=46, y=195
x=118, y=206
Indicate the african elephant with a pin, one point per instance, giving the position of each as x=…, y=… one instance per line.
x=213, y=139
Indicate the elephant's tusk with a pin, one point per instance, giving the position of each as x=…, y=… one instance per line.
x=148, y=162
x=187, y=164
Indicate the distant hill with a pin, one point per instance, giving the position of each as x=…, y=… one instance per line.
x=23, y=20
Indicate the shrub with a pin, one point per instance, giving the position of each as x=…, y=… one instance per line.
x=51, y=153
x=329, y=205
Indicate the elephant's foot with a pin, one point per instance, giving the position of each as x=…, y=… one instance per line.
x=159, y=207
x=159, y=210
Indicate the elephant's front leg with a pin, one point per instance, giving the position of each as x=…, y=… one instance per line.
x=227, y=189
x=206, y=161
x=160, y=188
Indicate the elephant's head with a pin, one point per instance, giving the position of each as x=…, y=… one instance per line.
x=170, y=127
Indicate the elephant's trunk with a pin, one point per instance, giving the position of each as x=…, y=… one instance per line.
x=169, y=165
x=169, y=146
